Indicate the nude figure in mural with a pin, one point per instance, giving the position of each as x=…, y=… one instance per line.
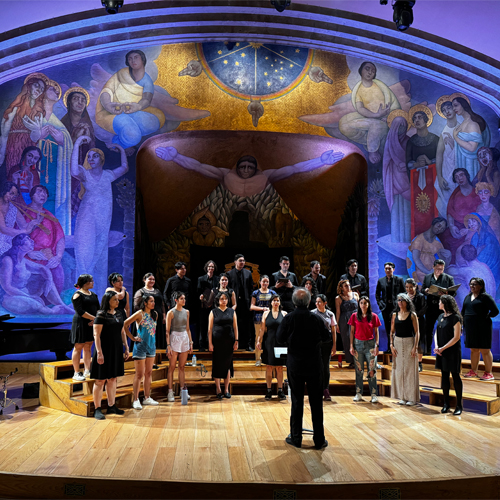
x=246, y=179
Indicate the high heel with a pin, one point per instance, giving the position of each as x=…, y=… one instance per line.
x=458, y=410
x=446, y=408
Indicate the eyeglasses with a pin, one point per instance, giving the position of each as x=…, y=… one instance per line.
x=400, y=300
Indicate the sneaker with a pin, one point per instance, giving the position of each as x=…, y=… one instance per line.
x=136, y=405
x=170, y=396
x=358, y=397
x=326, y=395
x=269, y=395
x=98, y=414
x=487, y=376
x=411, y=403
x=115, y=410
x=470, y=374
x=86, y=373
x=149, y=401
x=402, y=402
x=79, y=376
x=258, y=362
x=281, y=394
x=374, y=399
x=420, y=367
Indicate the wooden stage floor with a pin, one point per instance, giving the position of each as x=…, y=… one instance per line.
x=241, y=440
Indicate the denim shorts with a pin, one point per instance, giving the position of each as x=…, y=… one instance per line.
x=142, y=350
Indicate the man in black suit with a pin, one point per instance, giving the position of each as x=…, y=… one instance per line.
x=440, y=278
x=355, y=279
x=282, y=288
x=240, y=280
x=386, y=293
x=319, y=279
x=304, y=333
x=206, y=284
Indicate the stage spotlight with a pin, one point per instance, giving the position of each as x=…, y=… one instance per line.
x=281, y=5
x=403, y=14
x=112, y=6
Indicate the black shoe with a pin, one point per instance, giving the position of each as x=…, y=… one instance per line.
x=250, y=349
x=321, y=446
x=227, y=395
x=420, y=368
x=99, y=414
x=269, y=395
x=114, y=409
x=220, y=395
x=351, y=366
x=281, y=394
x=446, y=408
x=458, y=410
x=290, y=441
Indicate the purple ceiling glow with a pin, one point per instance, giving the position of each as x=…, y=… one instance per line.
x=472, y=23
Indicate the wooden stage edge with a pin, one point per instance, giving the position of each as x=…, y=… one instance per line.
x=59, y=487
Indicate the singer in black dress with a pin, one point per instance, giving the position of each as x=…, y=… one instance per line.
x=222, y=340
x=271, y=320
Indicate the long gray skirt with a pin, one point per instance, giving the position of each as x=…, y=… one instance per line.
x=404, y=380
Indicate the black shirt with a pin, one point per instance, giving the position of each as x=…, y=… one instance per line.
x=279, y=275
x=176, y=284
x=303, y=332
x=320, y=282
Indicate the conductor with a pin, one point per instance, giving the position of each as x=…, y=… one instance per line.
x=303, y=332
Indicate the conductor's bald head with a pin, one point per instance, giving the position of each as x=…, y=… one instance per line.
x=301, y=297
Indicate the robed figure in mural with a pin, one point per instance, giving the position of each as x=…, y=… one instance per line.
x=55, y=143
x=93, y=220
x=15, y=135
x=373, y=101
x=246, y=179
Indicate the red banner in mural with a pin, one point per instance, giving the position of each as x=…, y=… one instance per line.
x=423, y=201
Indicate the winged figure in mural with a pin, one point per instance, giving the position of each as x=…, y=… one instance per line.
x=247, y=179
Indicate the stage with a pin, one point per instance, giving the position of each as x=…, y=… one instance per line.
x=235, y=448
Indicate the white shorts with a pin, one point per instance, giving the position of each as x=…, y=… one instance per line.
x=179, y=341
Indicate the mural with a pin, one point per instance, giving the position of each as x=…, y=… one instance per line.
x=71, y=137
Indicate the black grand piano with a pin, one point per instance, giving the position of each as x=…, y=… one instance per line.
x=18, y=335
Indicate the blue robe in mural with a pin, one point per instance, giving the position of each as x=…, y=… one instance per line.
x=467, y=159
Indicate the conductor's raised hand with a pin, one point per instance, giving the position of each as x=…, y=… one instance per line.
x=331, y=157
x=167, y=154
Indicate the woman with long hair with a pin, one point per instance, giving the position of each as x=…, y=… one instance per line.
x=149, y=290
x=223, y=287
x=329, y=347
x=420, y=304
x=477, y=311
x=470, y=135
x=346, y=302
x=271, y=320
x=111, y=349
x=449, y=351
x=222, y=341
x=404, y=346
x=260, y=302
x=179, y=341
x=86, y=304
x=364, y=346
x=116, y=282
x=144, y=351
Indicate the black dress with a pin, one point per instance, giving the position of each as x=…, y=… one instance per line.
x=111, y=346
x=269, y=342
x=122, y=304
x=477, y=316
x=451, y=359
x=161, y=338
x=223, y=342
x=81, y=331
